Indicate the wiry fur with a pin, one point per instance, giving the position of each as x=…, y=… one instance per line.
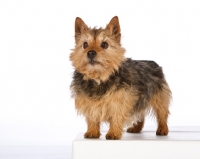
x=113, y=88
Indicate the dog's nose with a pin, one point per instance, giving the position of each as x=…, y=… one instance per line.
x=91, y=54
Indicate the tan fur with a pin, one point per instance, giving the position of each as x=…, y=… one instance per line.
x=108, y=109
x=137, y=127
x=160, y=104
x=93, y=130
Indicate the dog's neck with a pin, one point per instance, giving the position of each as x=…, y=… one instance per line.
x=98, y=77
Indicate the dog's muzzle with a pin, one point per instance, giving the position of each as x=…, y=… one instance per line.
x=91, y=55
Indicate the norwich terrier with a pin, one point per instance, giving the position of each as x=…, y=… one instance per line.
x=108, y=87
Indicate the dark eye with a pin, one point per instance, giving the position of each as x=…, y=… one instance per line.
x=104, y=45
x=85, y=45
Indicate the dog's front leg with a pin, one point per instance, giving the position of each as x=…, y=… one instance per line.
x=93, y=130
x=116, y=129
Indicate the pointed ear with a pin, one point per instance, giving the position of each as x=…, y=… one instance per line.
x=114, y=28
x=80, y=26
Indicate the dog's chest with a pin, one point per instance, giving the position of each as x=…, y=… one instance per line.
x=113, y=103
x=95, y=90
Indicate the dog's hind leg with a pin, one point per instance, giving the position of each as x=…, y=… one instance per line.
x=137, y=127
x=160, y=104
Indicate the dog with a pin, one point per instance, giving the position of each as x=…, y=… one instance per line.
x=108, y=87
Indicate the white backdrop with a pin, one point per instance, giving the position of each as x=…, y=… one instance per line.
x=35, y=72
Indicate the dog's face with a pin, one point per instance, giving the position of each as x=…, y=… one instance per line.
x=98, y=52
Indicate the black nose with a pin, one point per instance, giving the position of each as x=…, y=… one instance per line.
x=91, y=54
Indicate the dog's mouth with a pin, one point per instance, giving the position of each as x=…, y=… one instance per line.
x=93, y=62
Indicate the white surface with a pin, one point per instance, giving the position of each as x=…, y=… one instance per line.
x=181, y=143
x=35, y=72
x=35, y=152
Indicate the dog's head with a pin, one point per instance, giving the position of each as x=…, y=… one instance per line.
x=98, y=52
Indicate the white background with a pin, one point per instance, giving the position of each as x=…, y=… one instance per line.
x=35, y=72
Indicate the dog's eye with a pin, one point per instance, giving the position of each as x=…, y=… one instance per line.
x=104, y=45
x=85, y=45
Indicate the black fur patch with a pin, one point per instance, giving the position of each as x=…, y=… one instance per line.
x=144, y=77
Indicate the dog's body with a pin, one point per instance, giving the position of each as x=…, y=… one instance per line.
x=108, y=87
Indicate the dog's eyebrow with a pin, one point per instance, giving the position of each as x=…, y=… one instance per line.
x=105, y=39
x=87, y=37
x=102, y=37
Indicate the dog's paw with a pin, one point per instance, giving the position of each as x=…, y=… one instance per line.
x=137, y=127
x=92, y=135
x=133, y=130
x=162, y=131
x=113, y=136
x=130, y=130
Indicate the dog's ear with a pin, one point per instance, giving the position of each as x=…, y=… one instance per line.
x=80, y=26
x=114, y=28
